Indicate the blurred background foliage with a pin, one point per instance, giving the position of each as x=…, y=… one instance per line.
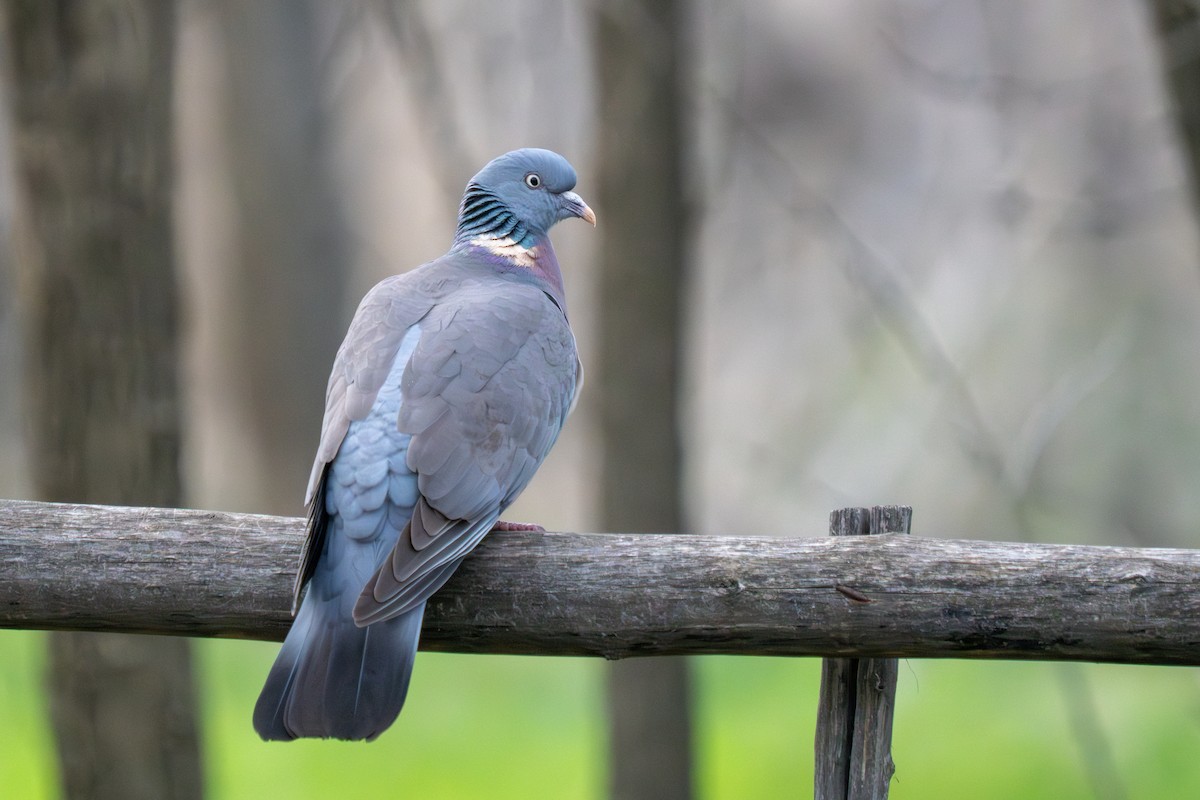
x=941, y=254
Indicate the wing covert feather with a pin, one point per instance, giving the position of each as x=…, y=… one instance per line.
x=365, y=357
x=485, y=395
x=384, y=317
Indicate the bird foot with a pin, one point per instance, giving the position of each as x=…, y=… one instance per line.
x=501, y=525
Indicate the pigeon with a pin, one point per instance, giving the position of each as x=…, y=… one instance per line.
x=450, y=388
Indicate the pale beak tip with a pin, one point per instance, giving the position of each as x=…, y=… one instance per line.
x=572, y=205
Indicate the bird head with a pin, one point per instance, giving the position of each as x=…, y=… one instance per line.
x=520, y=196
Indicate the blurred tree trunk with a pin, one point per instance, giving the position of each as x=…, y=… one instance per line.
x=92, y=130
x=285, y=305
x=640, y=196
x=1178, y=23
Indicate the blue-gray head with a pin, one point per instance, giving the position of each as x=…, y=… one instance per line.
x=518, y=197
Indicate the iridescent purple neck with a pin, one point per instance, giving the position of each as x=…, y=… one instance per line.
x=535, y=262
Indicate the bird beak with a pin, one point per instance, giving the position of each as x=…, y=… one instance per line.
x=573, y=206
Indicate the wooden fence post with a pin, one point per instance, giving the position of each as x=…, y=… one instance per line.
x=858, y=695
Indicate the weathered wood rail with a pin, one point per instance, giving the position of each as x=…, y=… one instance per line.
x=202, y=573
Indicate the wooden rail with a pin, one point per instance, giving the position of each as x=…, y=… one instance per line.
x=203, y=573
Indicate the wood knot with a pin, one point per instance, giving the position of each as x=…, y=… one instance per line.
x=731, y=585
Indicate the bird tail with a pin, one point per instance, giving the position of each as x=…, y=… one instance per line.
x=333, y=679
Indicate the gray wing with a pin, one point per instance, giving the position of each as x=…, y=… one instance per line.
x=485, y=395
x=362, y=364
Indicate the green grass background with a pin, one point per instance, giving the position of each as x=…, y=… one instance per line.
x=516, y=727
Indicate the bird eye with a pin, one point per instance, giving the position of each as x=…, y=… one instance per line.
x=532, y=180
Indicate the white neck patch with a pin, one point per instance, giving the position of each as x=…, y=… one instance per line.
x=508, y=249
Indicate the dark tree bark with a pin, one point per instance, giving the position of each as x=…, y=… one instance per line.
x=1178, y=24
x=92, y=129
x=643, y=220
x=285, y=304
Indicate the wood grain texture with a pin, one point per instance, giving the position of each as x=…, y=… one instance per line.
x=871, y=765
x=853, y=742
x=834, y=741
x=203, y=573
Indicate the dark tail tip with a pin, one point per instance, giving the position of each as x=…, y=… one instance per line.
x=334, y=680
